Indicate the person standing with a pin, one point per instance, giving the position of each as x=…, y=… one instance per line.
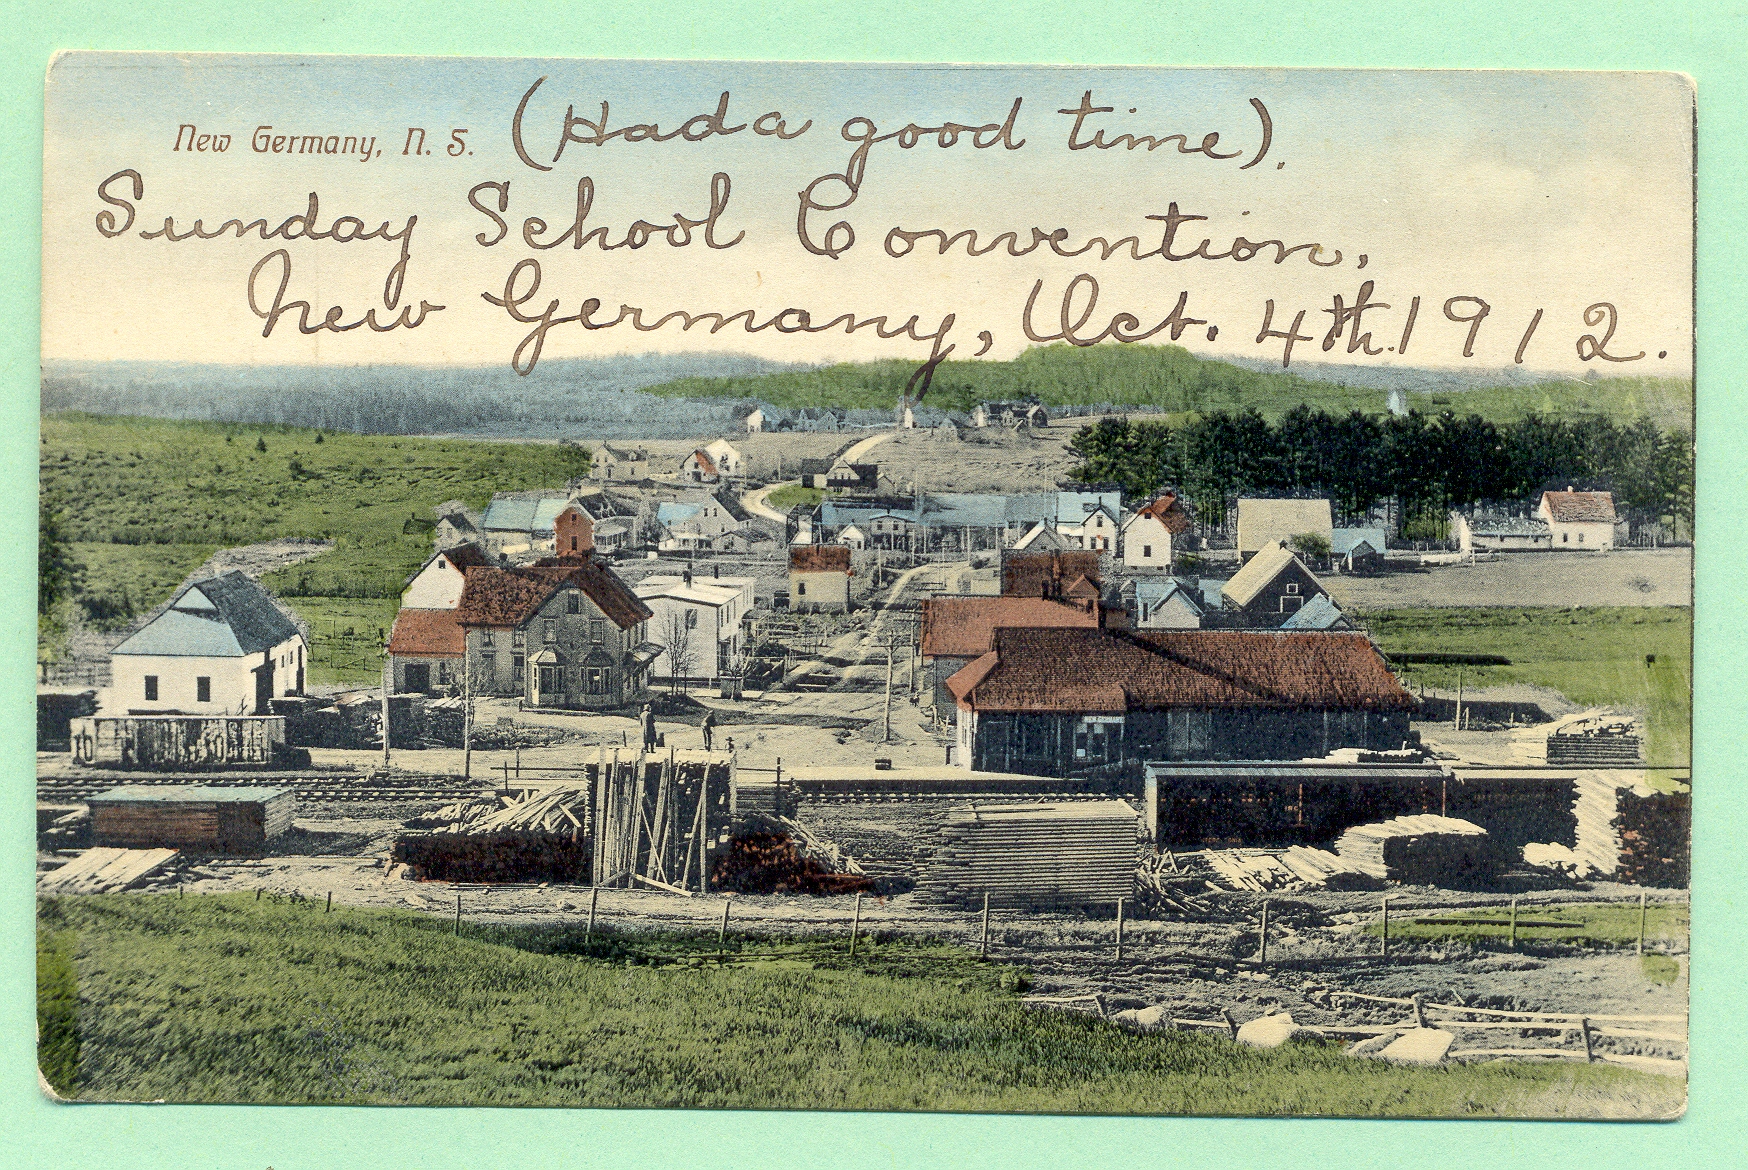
x=649, y=727
x=709, y=728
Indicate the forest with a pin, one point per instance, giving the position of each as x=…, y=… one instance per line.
x=1425, y=463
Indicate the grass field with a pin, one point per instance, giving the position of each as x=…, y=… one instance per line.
x=1593, y=656
x=212, y=999
x=791, y=494
x=1595, y=924
x=146, y=501
x=1169, y=378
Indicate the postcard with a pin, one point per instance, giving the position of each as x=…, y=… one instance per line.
x=830, y=586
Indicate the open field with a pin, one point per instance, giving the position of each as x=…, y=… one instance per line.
x=231, y=999
x=1169, y=378
x=1624, y=577
x=1634, y=659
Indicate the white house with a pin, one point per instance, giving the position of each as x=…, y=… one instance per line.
x=853, y=537
x=1089, y=520
x=701, y=619
x=438, y=584
x=756, y=421
x=1165, y=604
x=1148, y=534
x=1579, y=520
x=1262, y=523
x=1041, y=538
x=727, y=457
x=610, y=461
x=222, y=646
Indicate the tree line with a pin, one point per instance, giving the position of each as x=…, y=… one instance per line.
x=1423, y=464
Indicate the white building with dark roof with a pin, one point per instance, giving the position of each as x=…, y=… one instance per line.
x=221, y=647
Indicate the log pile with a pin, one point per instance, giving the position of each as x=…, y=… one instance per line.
x=1656, y=833
x=509, y=856
x=773, y=863
x=1420, y=850
x=1078, y=853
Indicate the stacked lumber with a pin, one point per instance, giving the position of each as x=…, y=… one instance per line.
x=104, y=871
x=564, y=809
x=1596, y=741
x=191, y=817
x=1294, y=868
x=1421, y=850
x=1034, y=855
x=1597, y=838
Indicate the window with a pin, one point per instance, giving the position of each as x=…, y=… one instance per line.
x=597, y=680
x=801, y=588
x=1564, y=537
x=573, y=602
x=485, y=638
x=1147, y=552
x=573, y=549
x=1292, y=587
x=597, y=632
x=517, y=639
x=202, y=689
x=151, y=688
x=1580, y=538
x=516, y=668
x=691, y=619
x=549, y=631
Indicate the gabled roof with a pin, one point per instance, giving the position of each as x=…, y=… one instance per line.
x=1100, y=670
x=705, y=464
x=427, y=633
x=960, y=627
x=531, y=512
x=1344, y=540
x=1045, y=574
x=1075, y=507
x=619, y=454
x=676, y=511
x=1041, y=537
x=509, y=597
x=813, y=467
x=1257, y=572
x=819, y=558
x=1169, y=511
x=220, y=617
x=1319, y=613
x=1580, y=507
x=1155, y=591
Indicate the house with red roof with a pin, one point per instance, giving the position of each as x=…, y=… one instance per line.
x=956, y=631
x=566, y=635
x=1149, y=535
x=1583, y=521
x=1076, y=701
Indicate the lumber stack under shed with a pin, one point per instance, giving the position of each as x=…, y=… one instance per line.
x=1421, y=850
x=1072, y=853
x=217, y=820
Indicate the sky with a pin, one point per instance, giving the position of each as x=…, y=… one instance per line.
x=1557, y=193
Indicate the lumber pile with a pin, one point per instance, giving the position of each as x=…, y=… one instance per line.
x=1597, y=839
x=104, y=871
x=1260, y=870
x=1420, y=850
x=773, y=863
x=564, y=809
x=1596, y=742
x=494, y=857
x=1075, y=853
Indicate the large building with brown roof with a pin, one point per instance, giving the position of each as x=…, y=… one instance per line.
x=956, y=631
x=1061, y=702
x=1074, y=574
x=566, y=636
x=1582, y=521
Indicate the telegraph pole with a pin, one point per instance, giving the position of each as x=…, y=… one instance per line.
x=388, y=671
x=466, y=717
x=887, y=737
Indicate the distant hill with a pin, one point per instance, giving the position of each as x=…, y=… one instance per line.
x=568, y=398
x=679, y=395
x=1170, y=379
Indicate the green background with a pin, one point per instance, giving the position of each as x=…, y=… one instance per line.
x=1707, y=40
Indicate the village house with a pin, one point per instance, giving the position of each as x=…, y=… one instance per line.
x=812, y=473
x=859, y=478
x=1010, y=414
x=520, y=523
x=458, y=524
x=699, y=624
x=1320, y=613
x=713, y=462
x=697, y=520
x=1357, y=550
x=620, y=463
x=1262, y=523
x=1490, y=530
x=1041, y=537
x=1269, y=588
x=1061, y=702
x=1163, y=603
x=1073, y=575
x=1149, y=534
x=569, y=635
x=819, y=577
x=222, y=646
x=755, y=420
x=1578, y=520
x=426, y=645
x=956, y=631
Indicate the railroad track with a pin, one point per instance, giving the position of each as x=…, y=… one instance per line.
x=323, y=788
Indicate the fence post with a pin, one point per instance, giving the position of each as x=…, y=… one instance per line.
x=1584, y=1027
x=330, y=906
x=1262, y=936
x=1386, y=930
x=1231, y=1024
x=722, y=932
x=1119, y=930
x=1514, y=924
x=1641, y=922
x=594, y=897
x=983, y=944
x=1419, y=1012
x=457, y=929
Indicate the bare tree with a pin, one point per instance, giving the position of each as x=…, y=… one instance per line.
x=676, y=640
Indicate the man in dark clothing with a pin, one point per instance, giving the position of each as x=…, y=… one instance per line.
x=709, y=727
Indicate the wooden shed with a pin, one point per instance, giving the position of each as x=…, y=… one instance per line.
x=176, y=742
x=1072, y=853
x=212, y=820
